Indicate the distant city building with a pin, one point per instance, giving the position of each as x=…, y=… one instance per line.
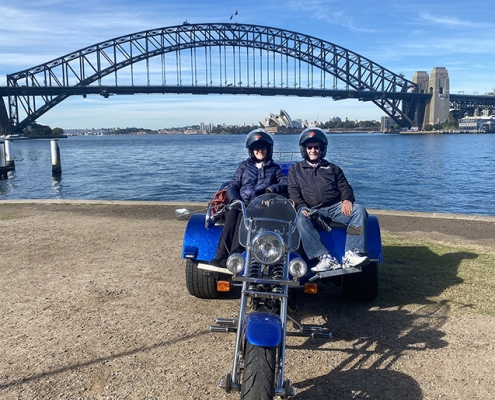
x=283, y=123
x=387, y=123
x=477, y=124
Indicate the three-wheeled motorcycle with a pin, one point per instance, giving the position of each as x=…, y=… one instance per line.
x=267, y=273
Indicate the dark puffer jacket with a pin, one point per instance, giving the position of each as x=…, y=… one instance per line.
x=249, y=181
x=318, y=187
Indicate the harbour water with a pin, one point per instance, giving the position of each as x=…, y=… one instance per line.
x=427, y=173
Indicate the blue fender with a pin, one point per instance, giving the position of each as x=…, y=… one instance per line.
x=263, y=329
x=200, y=243
x=374, y=239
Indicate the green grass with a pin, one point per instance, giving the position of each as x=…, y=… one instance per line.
x=7, y=217
x=419, y=272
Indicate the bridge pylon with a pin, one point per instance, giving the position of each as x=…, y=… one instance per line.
x=5, y=126
x=436, y=110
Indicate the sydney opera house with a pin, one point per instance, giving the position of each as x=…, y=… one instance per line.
x=283, y=123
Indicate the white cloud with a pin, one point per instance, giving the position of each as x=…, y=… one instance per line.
x=452, y=22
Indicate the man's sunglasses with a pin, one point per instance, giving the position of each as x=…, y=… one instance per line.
x=313, y=147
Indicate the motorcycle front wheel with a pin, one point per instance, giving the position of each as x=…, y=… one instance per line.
x=258, y=377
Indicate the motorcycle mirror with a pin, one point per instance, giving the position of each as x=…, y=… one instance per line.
x=182, y=213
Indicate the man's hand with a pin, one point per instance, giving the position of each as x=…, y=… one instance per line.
x=346, y=207
x=305, y=213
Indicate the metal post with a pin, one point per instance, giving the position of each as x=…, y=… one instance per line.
x=2, y=153
x=56, y=164
x=9, y=154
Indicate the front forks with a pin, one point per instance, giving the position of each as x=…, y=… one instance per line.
x=231, y=382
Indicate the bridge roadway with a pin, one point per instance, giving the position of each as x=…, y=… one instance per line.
x=204, y=90
x=471, y=101
x=457, y=101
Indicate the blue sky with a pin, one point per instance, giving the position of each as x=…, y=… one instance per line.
x=403, y=36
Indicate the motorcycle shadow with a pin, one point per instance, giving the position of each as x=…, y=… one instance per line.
x=360, y=384
x=372, y=340
x=366, y=349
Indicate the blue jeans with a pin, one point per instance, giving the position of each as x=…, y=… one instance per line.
x=310, y=238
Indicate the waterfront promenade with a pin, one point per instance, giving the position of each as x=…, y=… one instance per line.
x=459, y=228
x=94, y=305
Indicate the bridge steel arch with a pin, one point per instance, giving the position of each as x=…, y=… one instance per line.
x=210, y=58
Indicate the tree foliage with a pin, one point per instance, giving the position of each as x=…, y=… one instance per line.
x=350, y=125
x=37, y=130
x=451, y=124
x=234, y=130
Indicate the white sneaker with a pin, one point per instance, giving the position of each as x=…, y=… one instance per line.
x=353, y=259
x=327, y=263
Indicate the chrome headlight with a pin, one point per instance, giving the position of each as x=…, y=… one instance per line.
x=298, y=268
x=268, y=248
x=235, y=263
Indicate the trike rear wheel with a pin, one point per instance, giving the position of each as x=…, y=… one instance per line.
x=200, y=283
x=362, y=286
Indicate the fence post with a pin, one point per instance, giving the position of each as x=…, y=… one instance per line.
x=56, y=164
x=9, y=154
x=2, y=153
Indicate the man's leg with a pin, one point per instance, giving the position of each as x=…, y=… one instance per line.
x=356, y=248
x=358, y=219
x=310, y=238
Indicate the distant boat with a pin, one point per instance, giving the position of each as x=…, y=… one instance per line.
x=14, y=136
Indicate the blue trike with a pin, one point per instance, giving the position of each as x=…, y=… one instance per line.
x=203, y=232
x=270, y=272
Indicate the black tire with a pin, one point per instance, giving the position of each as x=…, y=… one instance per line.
x=361, y=286
x=258, y=377
x=200, y=283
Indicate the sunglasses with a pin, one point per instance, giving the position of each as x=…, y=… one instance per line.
x=313, y=147
x=259, y=148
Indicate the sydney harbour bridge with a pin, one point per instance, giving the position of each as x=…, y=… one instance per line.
x=219, y=58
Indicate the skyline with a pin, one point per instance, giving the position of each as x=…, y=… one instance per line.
x=403, y=37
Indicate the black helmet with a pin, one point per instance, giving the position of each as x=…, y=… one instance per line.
x=259, y=136
x=313, y=135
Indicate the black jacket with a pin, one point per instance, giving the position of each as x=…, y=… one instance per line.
x=318, y=187
x=249, y=181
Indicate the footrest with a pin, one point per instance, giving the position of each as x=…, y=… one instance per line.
x=311, y=328
x=334, y=272
x=222, y=329
x=226, y=321
x=208, y=267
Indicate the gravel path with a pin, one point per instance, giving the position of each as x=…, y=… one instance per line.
x=94, y=306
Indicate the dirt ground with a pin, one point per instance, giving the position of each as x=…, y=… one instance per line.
x=94, y=306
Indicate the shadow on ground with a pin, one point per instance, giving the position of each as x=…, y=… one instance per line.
x=415, y=274
x=377, y=334
x=360, y=384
